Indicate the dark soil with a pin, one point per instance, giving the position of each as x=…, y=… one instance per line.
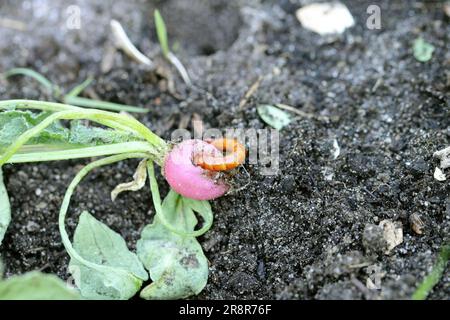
x=308, y=232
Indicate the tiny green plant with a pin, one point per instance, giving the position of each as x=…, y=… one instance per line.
x=100, y=263
x=423, y=51
x=424, y=289
x=161, y=32
x=73, y=96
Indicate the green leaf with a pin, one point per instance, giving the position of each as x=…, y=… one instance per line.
x=5, y=208
x=423, y=51
x=93, y=136
x=14, y=122
x=161, y=31
x=273, y=116
x=117, y=272
x=177, y=265
x=36, y=286
x=435, y=275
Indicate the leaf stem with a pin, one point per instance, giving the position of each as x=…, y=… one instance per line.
x=66, y=201
x=105, y=105
x=36, y=76
x=79, y=88
x=83, y=152
x=208, y=218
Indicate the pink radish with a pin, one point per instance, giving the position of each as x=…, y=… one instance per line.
x=189, y=180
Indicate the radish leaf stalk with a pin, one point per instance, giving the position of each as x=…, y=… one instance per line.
x=99, y=278
x=174, y=255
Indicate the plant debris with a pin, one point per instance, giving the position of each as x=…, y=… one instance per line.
x=423, y=51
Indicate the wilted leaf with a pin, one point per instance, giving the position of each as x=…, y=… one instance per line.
x=423, y=51
x=273, y=116
x=177, y=265
x=36, y=286
x=139, y=178
x=5, y=208
x=116, y=272
x=392, y=233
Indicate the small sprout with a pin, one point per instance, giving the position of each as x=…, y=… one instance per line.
x=124, y=43
x=433, y=278
x=423, y=51
x=273, y=116
x=417, y=224
x=161, y=31
x=55, y=90
x=72, y=97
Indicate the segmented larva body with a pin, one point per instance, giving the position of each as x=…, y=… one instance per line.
x=235, y=156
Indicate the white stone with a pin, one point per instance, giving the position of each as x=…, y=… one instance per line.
x=439, y=175
x=325, y=18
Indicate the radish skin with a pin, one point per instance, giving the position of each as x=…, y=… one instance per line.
x=189, y=180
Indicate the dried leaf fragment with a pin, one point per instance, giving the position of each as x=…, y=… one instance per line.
x=138, y=182
x=392, y=233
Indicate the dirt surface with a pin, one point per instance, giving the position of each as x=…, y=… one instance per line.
x=309, y=232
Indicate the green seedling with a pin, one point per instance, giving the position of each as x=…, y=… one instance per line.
x=161, y=32
x=100, y=263
x=435, y=275
x=72, y=97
